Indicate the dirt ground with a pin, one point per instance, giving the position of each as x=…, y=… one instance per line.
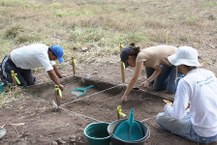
x=30, y=120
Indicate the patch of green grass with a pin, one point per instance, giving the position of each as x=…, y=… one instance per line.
x=210, y=4
x=55, y=5
x=10, y=94
x=63, y=13
x=104, y=38
x=161, y=36
x=7, y=3
x=13, y=32
x=136, y=37
x=27, y=39
x=87, y=35
x=191, y=20
x=60, y=10
x=6, y=46
x=102, y=43
x=19, y=35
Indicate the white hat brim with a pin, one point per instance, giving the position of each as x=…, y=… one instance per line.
x=188, y=62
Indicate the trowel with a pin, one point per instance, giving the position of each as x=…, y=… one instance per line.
x=81, y=91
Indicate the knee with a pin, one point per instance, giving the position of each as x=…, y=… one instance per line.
x=160, y=118
x=171, y=91
x=31, y=82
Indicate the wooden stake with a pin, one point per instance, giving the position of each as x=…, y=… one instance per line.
x=123, y=71
x=73, y=65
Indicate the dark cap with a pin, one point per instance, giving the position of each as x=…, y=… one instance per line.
x=125, y=53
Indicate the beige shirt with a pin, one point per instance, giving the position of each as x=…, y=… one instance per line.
x=153, y=56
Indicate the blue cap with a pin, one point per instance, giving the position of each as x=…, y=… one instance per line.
x=125, y=53
x=58, y=51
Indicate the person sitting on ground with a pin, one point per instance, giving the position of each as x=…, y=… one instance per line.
x=193, y=114
x=159, y=72
x=22, y=60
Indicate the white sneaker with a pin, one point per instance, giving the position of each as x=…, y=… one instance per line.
x=2, y=132
x=55, y=106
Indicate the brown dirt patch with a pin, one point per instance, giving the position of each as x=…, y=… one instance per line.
x=42, y=126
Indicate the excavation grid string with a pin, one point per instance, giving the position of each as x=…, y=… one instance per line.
x=72, y=113
x=78, y=114
x=64, y=104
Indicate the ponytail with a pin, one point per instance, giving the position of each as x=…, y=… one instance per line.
x=135, y=49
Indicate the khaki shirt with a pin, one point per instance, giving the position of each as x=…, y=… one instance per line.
x=153, y=56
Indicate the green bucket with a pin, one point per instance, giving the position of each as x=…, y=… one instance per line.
x=1, y=87
x=97, y=134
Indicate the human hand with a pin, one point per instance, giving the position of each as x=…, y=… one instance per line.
x=145, y=84
x=61, y=87
x=188, y=106
x=124, y=98
x=62, y=75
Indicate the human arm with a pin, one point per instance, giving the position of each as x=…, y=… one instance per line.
x=54, y=78
x=44, y=60
x=57, y=72
x=165, y=61
x=132, y=81
x=181, y=101
x=156, y=73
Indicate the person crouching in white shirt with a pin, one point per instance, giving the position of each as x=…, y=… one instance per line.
x=22, y=60
x=193, y=114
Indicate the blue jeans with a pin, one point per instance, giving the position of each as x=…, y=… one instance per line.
x=25, y=76
x=183, y=128
x=167, y=80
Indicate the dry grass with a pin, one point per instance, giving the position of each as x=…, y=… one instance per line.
x=10, y=94
x=100, y=25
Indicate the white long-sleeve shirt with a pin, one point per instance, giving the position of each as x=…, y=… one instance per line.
x=199, y=88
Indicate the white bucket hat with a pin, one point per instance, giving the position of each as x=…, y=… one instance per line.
x=185, y=55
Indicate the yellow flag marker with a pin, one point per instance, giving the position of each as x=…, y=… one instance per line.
x=121, y=46
x=58, y=94
x=14, y=77
x=119, y=112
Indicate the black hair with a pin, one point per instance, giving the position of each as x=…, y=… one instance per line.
x=135, y=49
x=49, y=49
x=190, y=67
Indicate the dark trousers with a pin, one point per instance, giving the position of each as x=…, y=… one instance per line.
x=167, y=80
x=25, y=76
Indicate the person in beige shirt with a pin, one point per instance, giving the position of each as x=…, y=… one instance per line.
x=161, y=75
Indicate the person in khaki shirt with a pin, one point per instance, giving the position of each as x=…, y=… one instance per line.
x=160, y=74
